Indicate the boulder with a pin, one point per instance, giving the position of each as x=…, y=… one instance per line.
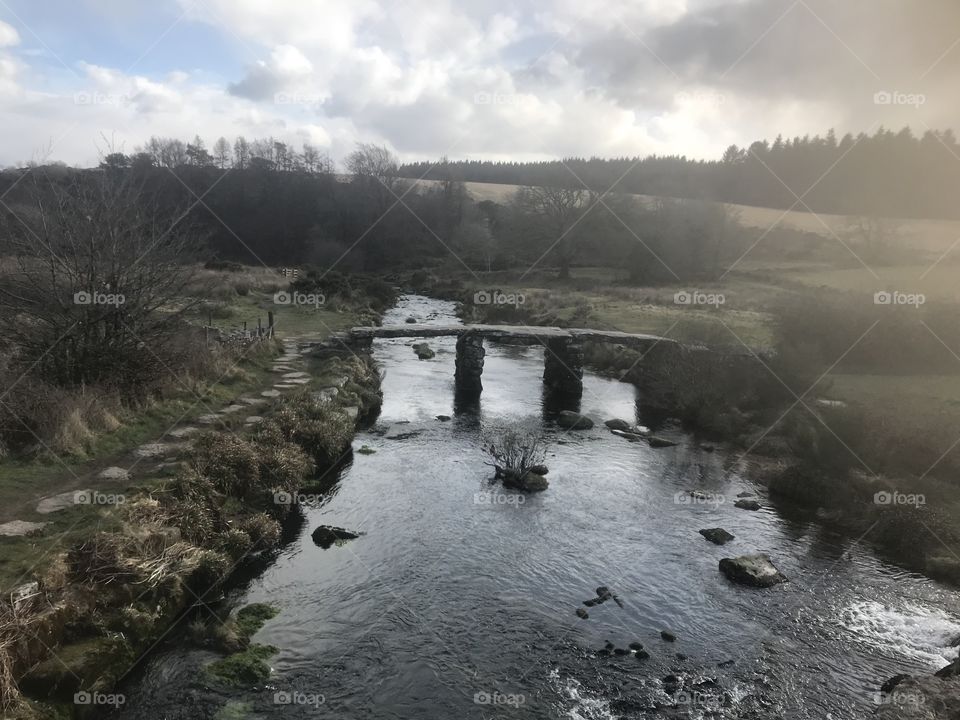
x=327, y=535
x=747, y=504
x=617, y=424
x=718, y=536
x=753, y=570
x=423, y=351
x=443, y=418
x=926, y=698
x=539, y=470
x=532, y=482
x=668, y=636
x=411, y=320
x=581, y=613
x=573, y=421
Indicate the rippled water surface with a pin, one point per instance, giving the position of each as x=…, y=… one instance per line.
x=459, y=600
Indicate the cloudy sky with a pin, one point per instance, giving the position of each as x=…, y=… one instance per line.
x=523, y=79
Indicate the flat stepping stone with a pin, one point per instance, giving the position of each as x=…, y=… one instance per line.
x=252, y=401
x=183, y=432
x=209, y=419
x=253, y=420
x=285, y=386
x=232, y=408
x=152, y=450
x=270, y=393
x=56, y=503
x=298, y=381
x=754, y=570
x=19, y=528
x=298, y=374
x=114, y=473
x=281, y=369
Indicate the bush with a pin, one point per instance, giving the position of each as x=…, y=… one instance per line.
x=230, y=462
x=320, y=429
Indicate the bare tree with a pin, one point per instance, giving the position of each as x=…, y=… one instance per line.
x=99, y=270
x=376, y=169
x=221, y=153
x=876, y=236
x=556, y=212
x=241, y=153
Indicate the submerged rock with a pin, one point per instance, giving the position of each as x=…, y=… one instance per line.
x=747, y=505
x=327, y=535
x=753, y=570
x=718, y=536
x=659, y=442
x=573, y=421
x=581, y=613
x=617, y=424
x=443, y=418
x=668, y=636
x=539, y=470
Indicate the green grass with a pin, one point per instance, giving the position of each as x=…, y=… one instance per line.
x=937, y=283
x=290, y=320
x=913, y=395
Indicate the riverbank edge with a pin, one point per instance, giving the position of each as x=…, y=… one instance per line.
x=41, y=649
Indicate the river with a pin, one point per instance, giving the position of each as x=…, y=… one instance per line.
x=459, y=600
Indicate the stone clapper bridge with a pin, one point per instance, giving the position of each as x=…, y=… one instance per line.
x=563, y=348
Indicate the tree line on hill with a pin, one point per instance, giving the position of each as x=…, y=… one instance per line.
x=892, y=174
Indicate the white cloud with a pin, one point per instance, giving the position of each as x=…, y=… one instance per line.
x=9, y=36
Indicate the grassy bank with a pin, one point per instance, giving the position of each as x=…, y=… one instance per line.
x=134, y=571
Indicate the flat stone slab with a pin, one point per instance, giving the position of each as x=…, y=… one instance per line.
x=270, y=393
x=209, y=419
x=252, y=401
x=154, y=449
x=285, y=386
x=531, y=334
x=19, y=528
x=56, y=503
x=281, y=369
x=114, y=473
x=232, y=408
x=183, y=432
x=298, y=381
x=253, y=420
x=298, y=374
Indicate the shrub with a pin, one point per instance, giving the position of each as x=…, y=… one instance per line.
x=230, y=462
x=320, y=429
x=516, y=450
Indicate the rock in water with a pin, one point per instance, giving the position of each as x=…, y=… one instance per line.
x=747, y=504
x=574, y=421
x=539, y=470
x=753, y=570
x=668, y=636
x=326, y=535
x=581, y=613
x=410, y=320
x=659, y=442
x=423, y=351
x=532, y=482
x=617, y=424
x=718, y=536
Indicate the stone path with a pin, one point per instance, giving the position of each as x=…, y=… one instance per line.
x=163, y=454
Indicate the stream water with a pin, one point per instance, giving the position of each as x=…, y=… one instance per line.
x=459, y=600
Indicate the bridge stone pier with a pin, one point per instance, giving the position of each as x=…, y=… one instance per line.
x=563, y=348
